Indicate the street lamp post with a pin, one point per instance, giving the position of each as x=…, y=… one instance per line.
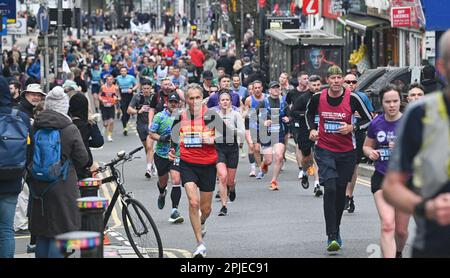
x=60, y=41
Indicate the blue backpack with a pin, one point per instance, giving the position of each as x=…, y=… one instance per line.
x=47, y=157
x=13, y=146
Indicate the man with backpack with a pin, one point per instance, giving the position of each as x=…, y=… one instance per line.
x=14, y=127
x=57, y=150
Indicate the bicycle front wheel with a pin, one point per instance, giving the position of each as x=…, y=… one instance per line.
x=141, y=230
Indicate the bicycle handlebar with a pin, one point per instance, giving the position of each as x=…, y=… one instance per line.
x=121, y=156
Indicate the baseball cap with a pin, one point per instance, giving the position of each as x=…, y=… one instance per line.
x=174, y=97
x=334, y=70
x=273, y=84
x=34, y=88
x=207, y=74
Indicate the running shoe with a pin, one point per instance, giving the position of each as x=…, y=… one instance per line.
x=125, y=131
x=260, y=175
x=162, y=199
x=223, y=211
x=154, y=171
x=148, y=174
x=347, y=202
x=200, y=252
x=317, y=191
x=252, y=173
x=333, y=245
x=300, y=175
x=31, y=248
x=273, y=186
x=110, y=139
x=339, y=239
x=218, y=195
x=305, y=181
x=232, y=195
x=351, y=205
x=176, y=217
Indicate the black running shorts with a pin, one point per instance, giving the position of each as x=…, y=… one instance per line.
x=228, y=154
x=376, y=181
x=164, y=165
x=204, y=176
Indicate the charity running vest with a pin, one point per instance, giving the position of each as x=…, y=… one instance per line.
x=330, y=119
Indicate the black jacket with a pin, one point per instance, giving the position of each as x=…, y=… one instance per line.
x=26, y=107
x=226, y=63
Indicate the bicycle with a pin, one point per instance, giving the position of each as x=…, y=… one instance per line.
x=140, y=228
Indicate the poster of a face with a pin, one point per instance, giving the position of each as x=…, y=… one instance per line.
x=317, y=60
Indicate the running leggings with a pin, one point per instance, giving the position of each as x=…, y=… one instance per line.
x=124, y=102
x=333, y=204
x=335, y=171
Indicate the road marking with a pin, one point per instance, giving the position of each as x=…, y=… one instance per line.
x=114, y=215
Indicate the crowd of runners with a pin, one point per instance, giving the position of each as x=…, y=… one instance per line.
x=197, y=107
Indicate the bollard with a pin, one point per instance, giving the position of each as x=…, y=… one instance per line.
x=92, y=210
x=87, y=242
x=89, y=187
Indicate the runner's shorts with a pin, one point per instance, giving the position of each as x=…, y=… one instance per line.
x=95, y=88
x=204, y=176
x=107, y=112
x=142, y=130
x=334, y=165
x=304, y=144
x=228, y=154
x=164, y=165
x=376, y=181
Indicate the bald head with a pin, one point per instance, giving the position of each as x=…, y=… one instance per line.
x=444, y=46
x=443, y=64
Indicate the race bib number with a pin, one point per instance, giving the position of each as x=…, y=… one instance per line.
x=193, y=140
x=275, y=128
x=296, y=125
x=190, y=74
x=385, y=153
x=332, y=126
x=124, y=91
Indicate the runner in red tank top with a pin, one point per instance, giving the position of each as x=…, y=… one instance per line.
x=194, y=130
x=335, y=150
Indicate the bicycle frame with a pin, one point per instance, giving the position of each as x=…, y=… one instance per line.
x=120, y=190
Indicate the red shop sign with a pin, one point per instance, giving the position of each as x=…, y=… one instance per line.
x=400, y=17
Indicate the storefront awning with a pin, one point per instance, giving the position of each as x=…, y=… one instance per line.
x=363, y=23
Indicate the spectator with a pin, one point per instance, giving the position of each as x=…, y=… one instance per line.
x=56, y=211
x=10, y=185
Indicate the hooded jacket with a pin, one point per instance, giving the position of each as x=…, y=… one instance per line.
x=91, y=135
x=59, y=212
x=12, y=186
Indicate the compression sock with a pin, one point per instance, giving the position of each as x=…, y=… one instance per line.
x=161, y=190
x=251, y=158
x=175, y=195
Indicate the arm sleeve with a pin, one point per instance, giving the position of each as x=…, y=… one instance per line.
x=311, y=111
x=359, y=106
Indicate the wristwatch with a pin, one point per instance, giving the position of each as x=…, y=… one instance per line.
x=419, y=209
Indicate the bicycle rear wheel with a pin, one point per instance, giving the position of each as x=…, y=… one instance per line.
x=141, y=230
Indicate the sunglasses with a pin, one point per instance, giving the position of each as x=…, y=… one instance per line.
x=351, y=82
